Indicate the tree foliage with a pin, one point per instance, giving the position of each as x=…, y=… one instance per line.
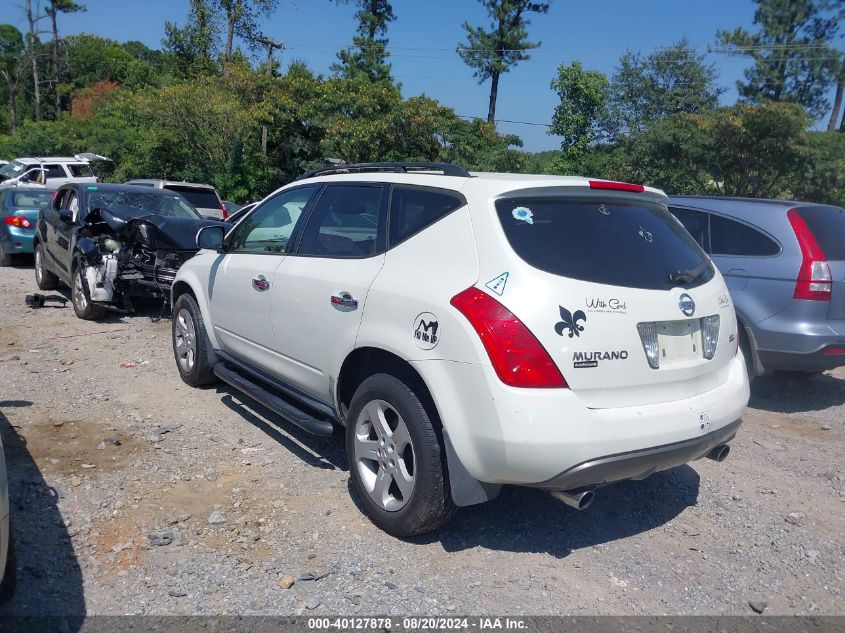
x=792, y=53
x=368, y=55
x=583, y=95
x=669, y=81
x=491, y=52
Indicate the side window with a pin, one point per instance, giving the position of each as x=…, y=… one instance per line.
x=55, y=171
x=347, y=221
x=694, y=222
x=269, y=227
x=72, y=203
x=413, y=209
x=734, y=238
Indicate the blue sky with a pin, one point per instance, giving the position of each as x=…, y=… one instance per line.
x=424, y=36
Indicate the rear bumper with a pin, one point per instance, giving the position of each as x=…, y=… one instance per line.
x=504, y=435
x=809, y=362
x=15, y=240
x=639, y=464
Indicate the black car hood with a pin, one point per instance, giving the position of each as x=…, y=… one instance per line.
x=172, y=233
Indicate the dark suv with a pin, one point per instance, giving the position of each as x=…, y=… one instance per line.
x=784, y=264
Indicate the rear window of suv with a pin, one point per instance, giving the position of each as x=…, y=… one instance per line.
x=606, y=241
x=80, y=170
x=201, y=198
x=828, y=227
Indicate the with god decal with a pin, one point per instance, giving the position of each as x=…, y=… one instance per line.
x=426, y=330
x=609, y=305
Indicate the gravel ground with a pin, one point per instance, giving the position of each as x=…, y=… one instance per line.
x=132, y=493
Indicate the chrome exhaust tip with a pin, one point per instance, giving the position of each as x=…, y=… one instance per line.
x=577, y=500
x=719, y=453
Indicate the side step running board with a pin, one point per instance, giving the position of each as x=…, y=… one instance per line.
x=290, y=412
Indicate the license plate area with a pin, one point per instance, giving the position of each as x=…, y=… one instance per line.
x=679, y=341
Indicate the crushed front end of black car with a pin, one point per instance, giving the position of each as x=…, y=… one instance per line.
x=138, y=257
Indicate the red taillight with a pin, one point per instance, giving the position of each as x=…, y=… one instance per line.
x=224, y=212
x=834, y=351
x=616, y=186
x=814, y=280
x=18, y=221
x=517, y=356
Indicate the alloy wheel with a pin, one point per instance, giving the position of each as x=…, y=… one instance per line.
x=384, y=455
x=185, y=340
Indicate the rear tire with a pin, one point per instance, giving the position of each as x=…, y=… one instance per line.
x=82, y=305
x=43, y=277
x=5, y=258
x=397, y=463
x=745, y=346
x=190, y=343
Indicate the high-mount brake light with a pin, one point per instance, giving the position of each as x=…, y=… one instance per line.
x=517, y=356
x=616, y=186
x=814, y=282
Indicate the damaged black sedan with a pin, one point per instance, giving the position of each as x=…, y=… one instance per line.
x=111, y=243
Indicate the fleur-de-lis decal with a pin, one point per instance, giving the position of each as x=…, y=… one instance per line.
x=570, y=322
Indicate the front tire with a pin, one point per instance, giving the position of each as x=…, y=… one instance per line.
x=397, y=463
x=190, y=343
x=43, y=277
x=82, y=305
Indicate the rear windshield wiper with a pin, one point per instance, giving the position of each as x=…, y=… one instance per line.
x=687, y=276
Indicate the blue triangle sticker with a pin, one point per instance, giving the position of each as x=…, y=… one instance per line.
x=497, y=285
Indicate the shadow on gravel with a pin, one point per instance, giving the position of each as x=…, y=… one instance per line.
x=790, y=393
x=529, y=520
x=320, y=452
x=49, y=579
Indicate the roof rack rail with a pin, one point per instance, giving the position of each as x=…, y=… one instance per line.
x=446, y=169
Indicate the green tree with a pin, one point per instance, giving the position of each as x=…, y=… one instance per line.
x=792, y=53
x=495, y=51
x=54, y=7
x=91, y=58
x=669, y=81
x=11, y=67
x=368, y=54
x=582, y=94
x=241, y=19
x=194, y=45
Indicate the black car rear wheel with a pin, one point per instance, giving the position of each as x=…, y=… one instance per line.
x=43, y=277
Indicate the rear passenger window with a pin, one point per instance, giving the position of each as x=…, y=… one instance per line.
x=412, y=209
x=694, y=221
x=55, y=171
x=734, y=238
x=347, y=221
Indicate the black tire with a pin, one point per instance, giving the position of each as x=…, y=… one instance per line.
x=429, y=505
x=5, y=258
x=43, y=277
x=82, y=305
x=10, y=573
x=200, y=372
x=745, y=346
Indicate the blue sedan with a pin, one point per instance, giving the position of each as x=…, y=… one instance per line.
x=19, y=209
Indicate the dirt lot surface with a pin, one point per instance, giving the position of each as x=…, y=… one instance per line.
x=132, y=493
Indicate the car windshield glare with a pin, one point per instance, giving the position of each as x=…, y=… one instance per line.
x=133, y=204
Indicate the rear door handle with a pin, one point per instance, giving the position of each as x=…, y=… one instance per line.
x=344, y=301
x=260, y=283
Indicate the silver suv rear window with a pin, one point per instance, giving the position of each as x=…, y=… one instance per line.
x=606, y=241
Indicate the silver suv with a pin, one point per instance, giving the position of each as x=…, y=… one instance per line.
x=784, y=264
x=203, y=197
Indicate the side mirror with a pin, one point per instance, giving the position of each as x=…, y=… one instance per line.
x=211, y=238
x=66, y=215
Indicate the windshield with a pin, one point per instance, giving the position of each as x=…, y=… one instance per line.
x=606, y=241
x=134, y=204
x=31, y=199
x=14, y=169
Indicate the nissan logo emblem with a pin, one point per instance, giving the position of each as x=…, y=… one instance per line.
x=687, y=305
